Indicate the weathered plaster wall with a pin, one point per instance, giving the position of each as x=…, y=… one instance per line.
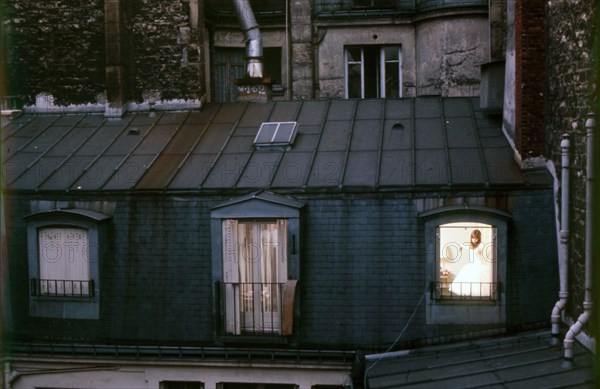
x=572, y=95
x=331, y=54
x=449, y=52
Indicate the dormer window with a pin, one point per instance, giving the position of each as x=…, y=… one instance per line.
x=64, y=256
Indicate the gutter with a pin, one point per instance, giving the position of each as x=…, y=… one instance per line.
x=563, y=258
x=576, y=328
x=253, y=37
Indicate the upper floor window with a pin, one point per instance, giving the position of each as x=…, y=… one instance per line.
x=64, y=249
x=256, y=264
x=63, y=262
x=466, y=262
x=373, y=71
x=254, y=275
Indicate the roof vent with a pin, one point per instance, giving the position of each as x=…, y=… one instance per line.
x=276, y=134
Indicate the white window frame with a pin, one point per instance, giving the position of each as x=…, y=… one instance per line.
x=381, y=72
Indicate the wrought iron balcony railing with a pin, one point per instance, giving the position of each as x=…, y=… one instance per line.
x=62, y=288
x=481, y=291
x=252, y=307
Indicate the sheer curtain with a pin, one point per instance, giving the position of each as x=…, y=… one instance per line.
x=64, y=262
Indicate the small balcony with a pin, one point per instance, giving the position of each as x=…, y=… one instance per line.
x=477, y=291
x=62, y=288
x=252, y=308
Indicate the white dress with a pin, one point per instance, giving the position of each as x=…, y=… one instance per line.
x=475, y=277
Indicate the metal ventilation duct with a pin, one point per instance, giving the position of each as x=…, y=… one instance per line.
x=254, y=44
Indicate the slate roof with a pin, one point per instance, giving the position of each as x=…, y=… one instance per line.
x=342, y=145
x=524, y=360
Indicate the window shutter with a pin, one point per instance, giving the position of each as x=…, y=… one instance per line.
x=231, y=288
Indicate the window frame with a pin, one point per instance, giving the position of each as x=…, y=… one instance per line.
x=380, y=70
x=256, y=207
x=465, y=311
x=59, y=306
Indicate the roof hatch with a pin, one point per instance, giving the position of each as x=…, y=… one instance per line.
x=276, y=134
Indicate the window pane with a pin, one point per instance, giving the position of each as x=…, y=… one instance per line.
x=63, y=255
x=390, y=53
x=353, y=54
x=392, y=80
x=467, y=260
x=354, y=81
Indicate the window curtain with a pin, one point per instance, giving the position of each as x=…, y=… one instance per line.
x=63, y=254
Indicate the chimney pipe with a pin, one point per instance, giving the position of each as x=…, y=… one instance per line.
x=253, y=37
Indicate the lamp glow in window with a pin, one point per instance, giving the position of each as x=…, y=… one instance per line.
x=467, y=260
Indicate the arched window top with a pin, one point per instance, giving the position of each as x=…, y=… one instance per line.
x=465, y=210
x=58, y=214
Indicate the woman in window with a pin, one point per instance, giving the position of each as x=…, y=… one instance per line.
x=474, y=279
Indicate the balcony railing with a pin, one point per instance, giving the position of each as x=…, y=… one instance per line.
x=480, y=291
x=252, y=307
x=62, y=288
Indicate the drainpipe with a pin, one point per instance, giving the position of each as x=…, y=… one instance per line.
x=563, y=261
x=254, y=44
x=587, y=303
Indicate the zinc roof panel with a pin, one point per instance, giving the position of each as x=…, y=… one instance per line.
x=398, y=108
x=361, y=168
x=285, y=111
x=312, y=113
x=128, y=173
x=293, y=170
x=369, y=109
x=214, y=139
x=335, y=136
x=193, y=171
x=341, y=110
x=239, y=144
x=327, y=169
x=96, y=175
x=366, y=135
x=429, y=134
x=229, y=113
x=428, y=107
x=72, y=141
x=259, y=170
x=431, y=167
x=66, y=174
x=255, y=114
x=46, y=139
x=226, y=171
x=397, y=168
x=156, y=139
x=457, y=107
x=467, y=166
x=305, y=142
x=37, y=173
x=99, y=140
x=501, y=166
x=158, y=175
x=461, y=132
x=16, y=166
x=397, y=134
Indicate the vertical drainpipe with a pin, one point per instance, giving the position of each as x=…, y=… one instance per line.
x=254, y=44
x=563, y=259
x=576, y=328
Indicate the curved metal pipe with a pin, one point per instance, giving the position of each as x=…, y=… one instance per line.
x=576, y=328
x=563, y=259
x=254, y=43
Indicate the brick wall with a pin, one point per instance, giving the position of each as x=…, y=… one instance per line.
x=572, y=94
x=530, y=77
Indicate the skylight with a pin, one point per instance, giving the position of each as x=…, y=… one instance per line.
x=278, y=134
